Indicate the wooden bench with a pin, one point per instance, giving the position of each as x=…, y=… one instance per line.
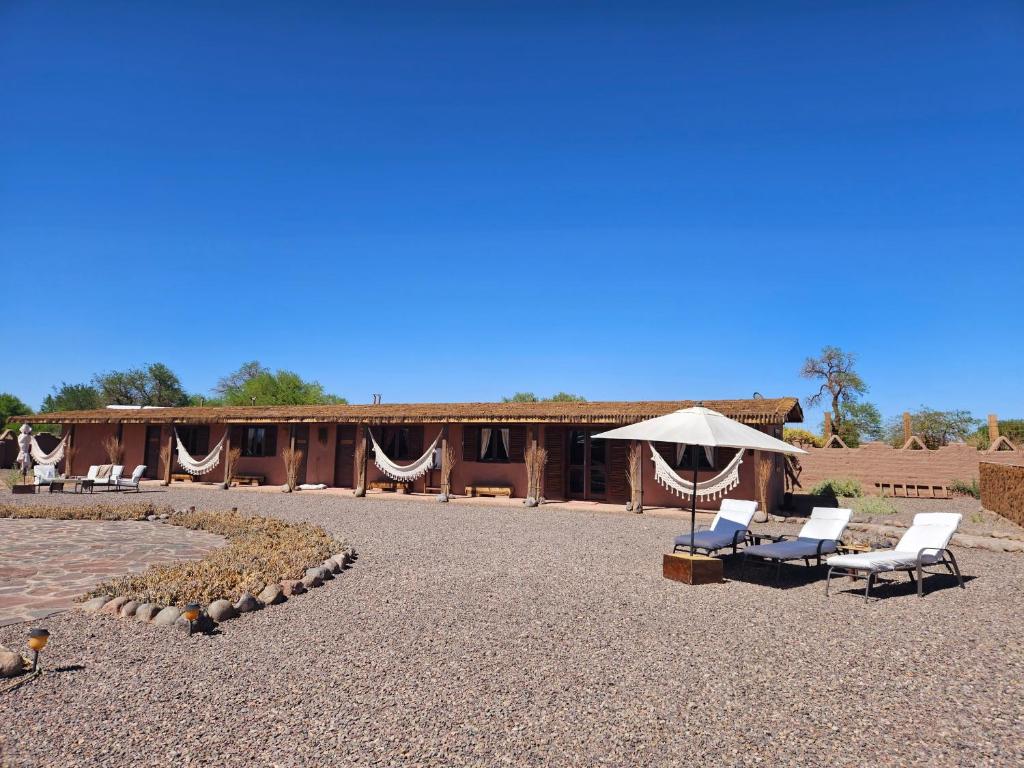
x=389, y=486
x=182, y=477
x=489, y=490
x=249, y=479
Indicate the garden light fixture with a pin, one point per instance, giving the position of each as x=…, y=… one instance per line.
x=37, y=640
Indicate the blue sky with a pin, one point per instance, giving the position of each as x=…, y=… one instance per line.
x=455, y=201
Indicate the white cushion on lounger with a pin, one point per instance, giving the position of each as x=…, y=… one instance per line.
x=734, y=514
x=93, y=471
x=826, y=523
x=930, y=530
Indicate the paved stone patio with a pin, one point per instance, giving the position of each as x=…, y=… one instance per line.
x=45, y=564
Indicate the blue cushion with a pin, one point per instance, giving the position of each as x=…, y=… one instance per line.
x=709, y=540
x=793, y=549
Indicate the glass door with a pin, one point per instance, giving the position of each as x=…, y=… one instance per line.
x=587, y=465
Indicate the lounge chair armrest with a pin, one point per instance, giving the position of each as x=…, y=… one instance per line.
x=823, y=542
x=921, y=552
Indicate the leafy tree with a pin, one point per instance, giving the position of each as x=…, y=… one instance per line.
x=558, y=397
x=801, y=437
x=72, y=397
x=839, y=381
x=278, y=388
x=233, y=381
x=11, y=406
x=860, y=421
x=935, y=428
x=154, y=385
x=1011, y=428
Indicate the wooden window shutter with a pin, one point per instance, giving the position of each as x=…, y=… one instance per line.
x=470, y=443
x=517, y=444
x=618, y=464
x=554, y=472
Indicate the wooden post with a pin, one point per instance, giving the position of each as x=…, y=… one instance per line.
x=993, y=428
x=907, y=432
x=68, y=451
x=170, y=455
x=227, y=457
x=828, y=424
x=640, y=500
x=542, y=468
x=445, y=486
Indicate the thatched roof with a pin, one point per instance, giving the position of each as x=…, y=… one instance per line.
x=759, y=411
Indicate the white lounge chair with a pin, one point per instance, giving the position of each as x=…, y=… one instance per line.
x=819, y=536
x=133, y=482
x=105, y=482
x=926, y=542
x=44, y=474
x=728, y=528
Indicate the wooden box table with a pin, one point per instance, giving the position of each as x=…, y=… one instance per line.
x=692, y=569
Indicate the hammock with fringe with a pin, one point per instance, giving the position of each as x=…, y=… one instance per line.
x=417, y=469
x=54, y=456
x=712, y=488
x=199, y=466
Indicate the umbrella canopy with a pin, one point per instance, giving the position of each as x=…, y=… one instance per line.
x=704, y=427
x=700, y=426
x=25, y=448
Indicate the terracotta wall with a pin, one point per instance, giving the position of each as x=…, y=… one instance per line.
x=878, y=462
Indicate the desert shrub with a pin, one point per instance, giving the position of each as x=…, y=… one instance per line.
x=11, y=477
x=874, y=505
x=838, y=486
x=801, y=437
x=260, y=550
x=970, y=487
x=137, y=511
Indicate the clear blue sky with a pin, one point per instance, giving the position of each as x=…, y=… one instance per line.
x=454, y=201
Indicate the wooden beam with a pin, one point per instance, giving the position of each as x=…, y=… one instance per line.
x=227, y=456
x=170, y=455
x=68, y=472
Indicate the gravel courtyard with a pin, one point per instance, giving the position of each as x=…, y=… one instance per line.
x=484, y=635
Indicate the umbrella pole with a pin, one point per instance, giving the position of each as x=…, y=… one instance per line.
x=693, y=503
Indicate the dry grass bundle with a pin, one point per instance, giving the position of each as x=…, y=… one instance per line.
x=113, y=448
x=292, y=458
x=634, y=474
x=535, y=458
x=231, y=465
x=447, y=465
x=765, y=469
x=136, y=511
x=360, y=462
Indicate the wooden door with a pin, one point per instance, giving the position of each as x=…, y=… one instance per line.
x=345, y=456
x=302, y=444
x=151, y=457
x=554, y=472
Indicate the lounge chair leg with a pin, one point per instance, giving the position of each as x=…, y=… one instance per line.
x=778, y=570
x=920, y=581
x=807, y=562
x=911, y=575
x=867, y=587
x=743, y=565
x=828, y=580
x=956, y=569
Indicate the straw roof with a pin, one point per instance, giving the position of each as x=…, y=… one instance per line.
x=758, y=411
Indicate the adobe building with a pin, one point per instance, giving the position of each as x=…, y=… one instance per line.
x=490, y=441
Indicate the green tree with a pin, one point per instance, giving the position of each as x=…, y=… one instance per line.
x=72, y=397
x=530, y=397
x=11, y=406
x=935, y=428
x=278, y=388
x=156, y=384
x=839, y=381
x=859, y=422
x=233, y=381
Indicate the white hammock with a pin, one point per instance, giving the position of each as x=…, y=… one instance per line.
x=417, y=469
x=54, y=456
x=199, y=466
x=713, y=488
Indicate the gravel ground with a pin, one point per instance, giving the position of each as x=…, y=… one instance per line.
x=482, y=635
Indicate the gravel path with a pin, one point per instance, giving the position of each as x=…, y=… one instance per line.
x=470, y=635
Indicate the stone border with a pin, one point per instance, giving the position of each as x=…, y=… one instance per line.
x=221, y=610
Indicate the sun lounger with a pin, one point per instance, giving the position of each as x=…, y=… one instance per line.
x=133, y=482
x=728, y=528
x=105, y=480
x=819, y=536
x=44, y=473
x=925, y=543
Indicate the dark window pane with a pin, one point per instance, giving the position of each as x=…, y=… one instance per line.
x=576, y=480
x=577, y=445
x=597, y=452
x=597, y=482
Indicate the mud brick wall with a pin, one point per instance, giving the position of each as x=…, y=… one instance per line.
x=877, y=462
x=1002, y=490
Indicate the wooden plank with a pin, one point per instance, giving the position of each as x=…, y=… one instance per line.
x=489, y=490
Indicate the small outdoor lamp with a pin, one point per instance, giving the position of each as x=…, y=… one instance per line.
x=37, y=639
x=191, y=613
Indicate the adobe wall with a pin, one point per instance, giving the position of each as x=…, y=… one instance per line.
x=1002, y=490
x=879, y=462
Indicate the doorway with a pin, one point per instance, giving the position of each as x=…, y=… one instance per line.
x=151, y=457
x=587, y=465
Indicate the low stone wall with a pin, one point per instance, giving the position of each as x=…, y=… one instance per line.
x=1002, y=490
x=880, y=463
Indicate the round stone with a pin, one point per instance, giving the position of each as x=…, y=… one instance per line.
x=247, y=603
x=166, y=617
x=146, y=612
x=272, y=594
x=128, y=609
x=221, y=610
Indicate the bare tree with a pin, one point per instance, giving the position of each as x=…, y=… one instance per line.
x=839, y=380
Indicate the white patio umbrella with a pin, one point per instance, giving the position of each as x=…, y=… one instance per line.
x=25, y=449
x=699, y=426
